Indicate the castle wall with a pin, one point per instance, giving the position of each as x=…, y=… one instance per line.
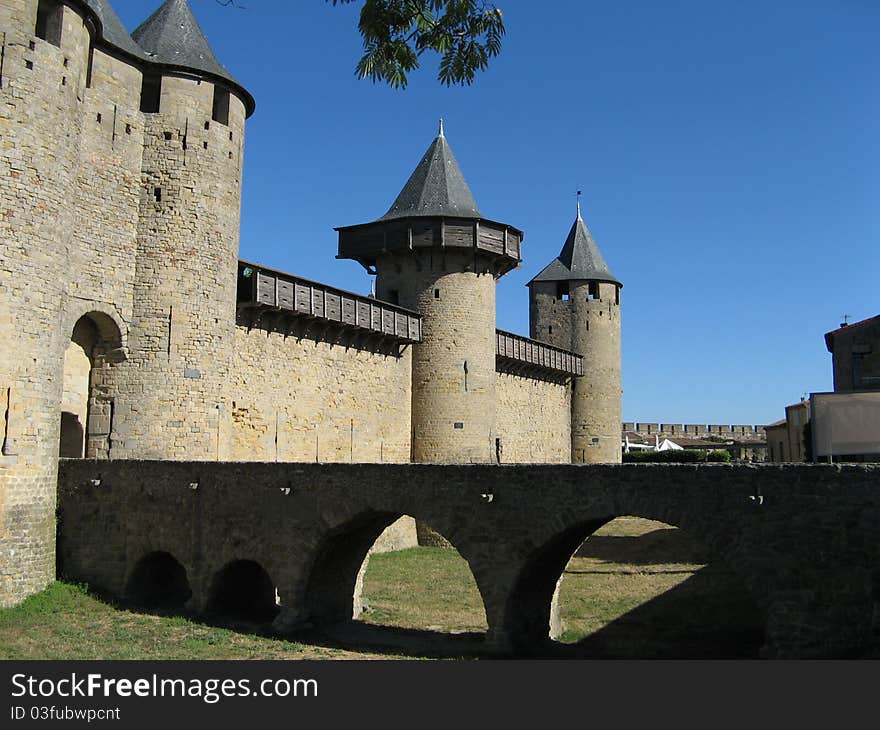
x=533, y=420
x=590, y=326
x=108, y=188
x=169, y=400
x=304, y=400
x=596, y=397
x=40, y=120
x=453, y=370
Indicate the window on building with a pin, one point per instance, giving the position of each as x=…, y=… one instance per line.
x=151, y=93
x=220, y=112
x=593, y=290
x=50, y=14
x=562, y=290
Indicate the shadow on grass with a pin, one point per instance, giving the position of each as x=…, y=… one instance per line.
x=708, y=616
x=705, y=617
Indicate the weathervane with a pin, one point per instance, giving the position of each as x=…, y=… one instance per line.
x=579, y=203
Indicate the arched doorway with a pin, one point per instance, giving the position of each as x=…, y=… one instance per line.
x=86, y=409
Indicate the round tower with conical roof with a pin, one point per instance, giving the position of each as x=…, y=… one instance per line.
x=183, y=319
x=434, y=252
x=574, y=303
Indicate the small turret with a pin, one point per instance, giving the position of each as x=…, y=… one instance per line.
x=574, y=303
x=433, y=251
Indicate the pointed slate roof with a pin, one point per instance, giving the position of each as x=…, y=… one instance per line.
x=112, y=29
x=173, y=36
x=436, y=188
x=579, y=259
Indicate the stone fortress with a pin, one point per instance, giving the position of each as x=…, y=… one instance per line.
x=133, y=330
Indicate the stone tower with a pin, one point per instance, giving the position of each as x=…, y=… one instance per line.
x=120, y=180
x=574, y=303
x=172, y=402
x=434, y=252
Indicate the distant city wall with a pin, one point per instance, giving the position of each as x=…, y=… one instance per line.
x=697, y=431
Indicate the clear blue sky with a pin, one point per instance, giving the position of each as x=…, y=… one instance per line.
x=728, y=154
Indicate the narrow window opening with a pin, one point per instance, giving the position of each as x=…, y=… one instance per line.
x=29, y=65
x=594, y=290
x=207, y=125
x=167, y=136
x=128, y=129
x=230, y=155
x=617, y=295
x=205, y=145
x=220, y=112
x=550, y=330
x=230, y=136
x=465, y=368
x=587, y=325
x=157, y=193
x=64, y=80
x=66, y=62
x=498, y=450
x=151, y=93
x=89, y=66
x=100, y=117
x=49, y=21
x=436, y=294
x=6, y=409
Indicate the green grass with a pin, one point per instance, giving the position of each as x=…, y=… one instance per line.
x=66, y=622
x=423, y=588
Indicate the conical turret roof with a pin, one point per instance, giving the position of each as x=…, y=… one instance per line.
x=436, y=188
x=112, y=29
x=579, y=259
x=173, y=36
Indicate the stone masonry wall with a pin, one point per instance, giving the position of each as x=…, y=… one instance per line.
x=533, y=420
x=304, y=400
x=170, y=397
x=453, y=371
x=41, y=89
x=803, y=538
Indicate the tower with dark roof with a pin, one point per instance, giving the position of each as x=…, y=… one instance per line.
x=435, y=252
x=194, y=115
x=574, y=303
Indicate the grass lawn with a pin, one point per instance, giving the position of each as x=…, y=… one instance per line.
x=636, y=588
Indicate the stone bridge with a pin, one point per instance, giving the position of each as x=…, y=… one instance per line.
x=802, y=538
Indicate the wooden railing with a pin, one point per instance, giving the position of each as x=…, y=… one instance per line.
x=262, y=287
x=516, y=350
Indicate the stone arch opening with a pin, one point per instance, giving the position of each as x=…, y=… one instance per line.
x=243, y=590
x=415, y=578
x=378, y=567
x=87, y=401
x=633, y=587
x=158, y=580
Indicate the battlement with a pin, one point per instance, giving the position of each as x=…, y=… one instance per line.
x=267, y=290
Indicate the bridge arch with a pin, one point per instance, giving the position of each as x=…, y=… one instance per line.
x=335, y=577
x=158, y=580
x=531, y=608
x=243, y=590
